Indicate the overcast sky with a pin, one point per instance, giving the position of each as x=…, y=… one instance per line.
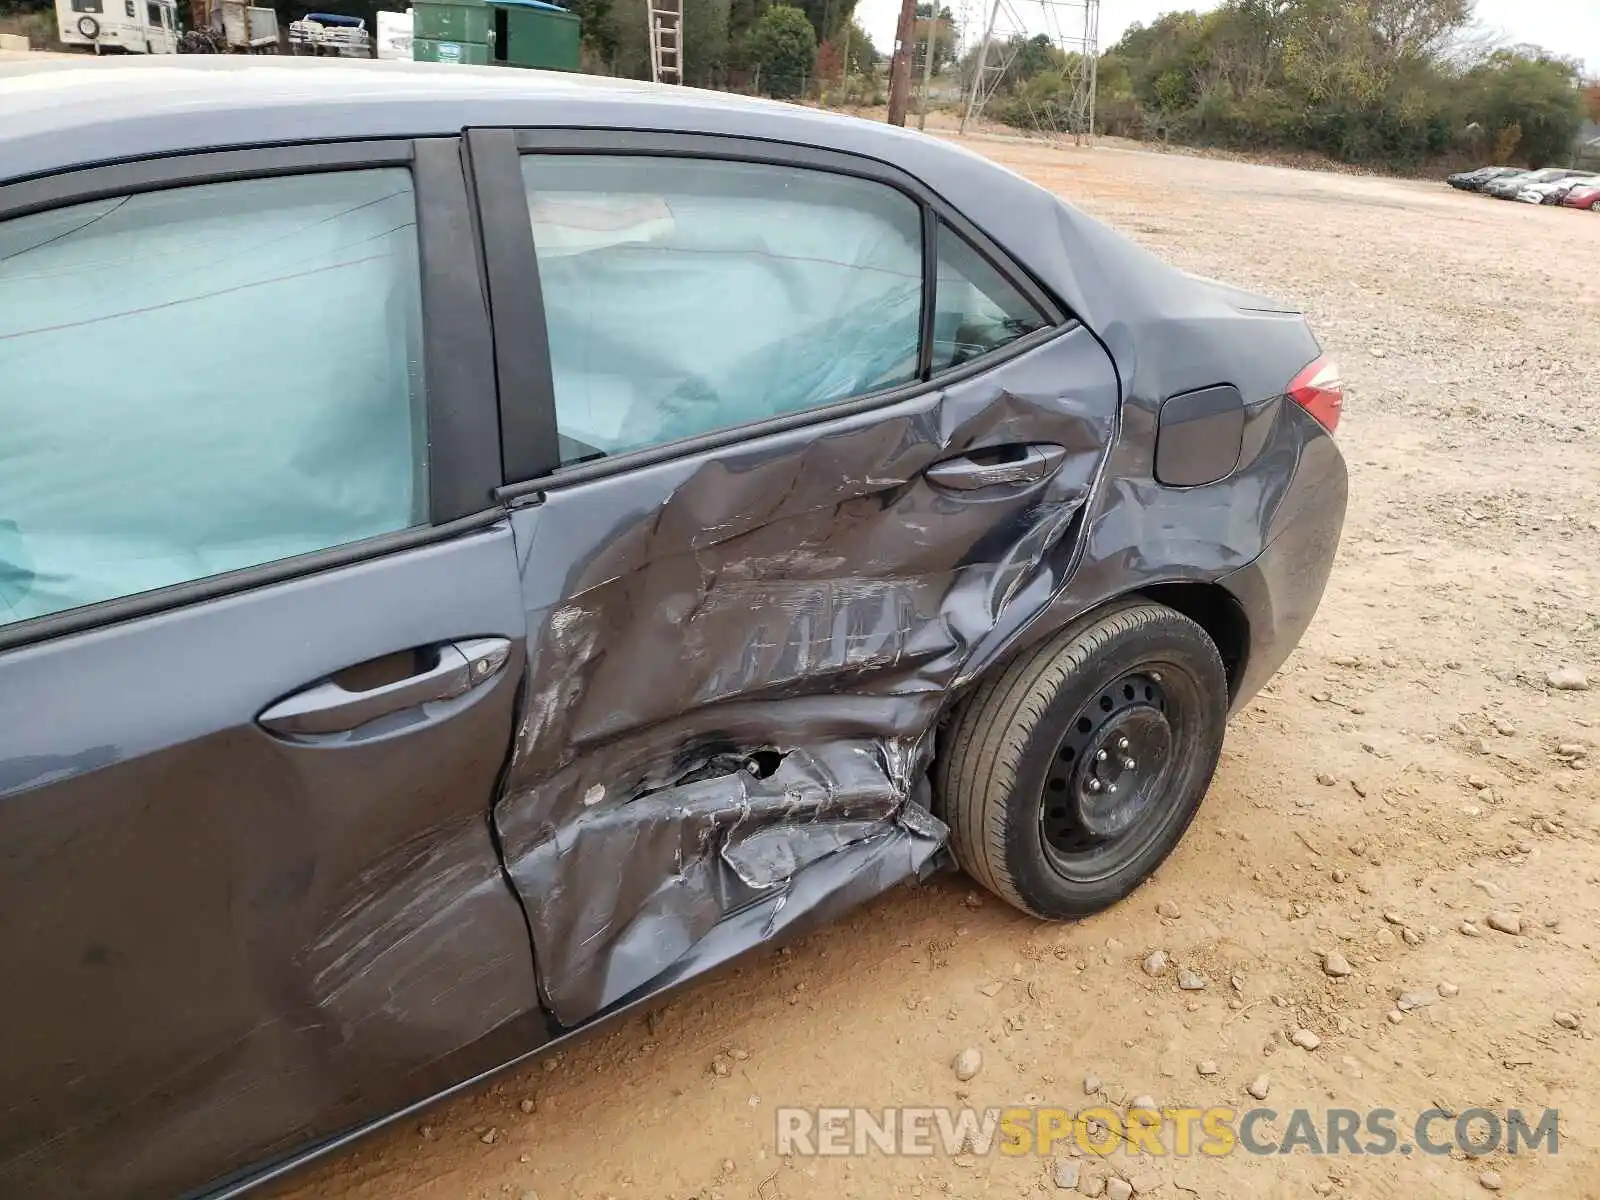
x=1570, y=27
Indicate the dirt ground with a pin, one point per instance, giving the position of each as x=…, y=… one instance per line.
x=1409, y=771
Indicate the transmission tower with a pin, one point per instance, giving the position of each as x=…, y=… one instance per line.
x=1073, y=27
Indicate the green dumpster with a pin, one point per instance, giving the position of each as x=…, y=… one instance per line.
x=471, y=54
x=531, y=33
x=508, y=33
x=456, y=22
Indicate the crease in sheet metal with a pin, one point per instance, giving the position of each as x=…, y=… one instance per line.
x=737, y=663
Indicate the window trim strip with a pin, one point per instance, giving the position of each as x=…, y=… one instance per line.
x=531, y=443
x=22, y=197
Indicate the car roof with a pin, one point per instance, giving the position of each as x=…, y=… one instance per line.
x=65, y=113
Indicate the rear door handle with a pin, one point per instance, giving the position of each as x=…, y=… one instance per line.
x=329, y=707
x=994, y=466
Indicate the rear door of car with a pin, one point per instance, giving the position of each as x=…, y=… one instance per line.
x=261, y=636
x=790, y=446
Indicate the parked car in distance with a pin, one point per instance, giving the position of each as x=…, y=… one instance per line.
x=1472, y=181
x=694, y=517
x=1584, y=195
x=1509, y=187
x=1553, y=191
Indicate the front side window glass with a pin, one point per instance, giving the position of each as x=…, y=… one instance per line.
x=203, y=379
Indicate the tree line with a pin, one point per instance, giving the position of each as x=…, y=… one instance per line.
x=1395, y=83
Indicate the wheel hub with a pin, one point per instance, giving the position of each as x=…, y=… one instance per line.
x=1126, y=754
x=1105, y=775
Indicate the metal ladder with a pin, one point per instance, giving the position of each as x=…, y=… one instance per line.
x=666, y=40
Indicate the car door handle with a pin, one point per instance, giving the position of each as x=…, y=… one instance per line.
x=330, y=707
x=997, y=465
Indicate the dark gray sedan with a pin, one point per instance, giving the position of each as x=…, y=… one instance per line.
x=478, y=549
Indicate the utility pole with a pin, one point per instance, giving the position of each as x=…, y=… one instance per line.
x=900, y=64
x=927, y=66
x=977, y=72
x=848, y=30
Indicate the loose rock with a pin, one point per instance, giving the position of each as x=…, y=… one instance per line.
x=1259, y=1087
x=1207, y=1068
x=1408, y=1001
x=1305, y=1039
x=1490, y=1181
x=968, y=1063
x=1145, y=1107
x=1567, y=1020
x=1091, y=1084
x=1191, y=981
x=1568, y=679
x=1156, y=963
x=526, y=1105
x=1505, y=922
x=1395, y=1016
x=1093, y=1185
x=1325, y=779
x=1169, y=909
x=489, y=1136
x=1468, y=929
x=1118, y=1189
x=1144, y=1183
x=1064, y=1172
x=1449, y=990
x=1336, y=964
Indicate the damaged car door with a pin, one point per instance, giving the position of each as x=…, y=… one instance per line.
x=261, y=635
x=792, y=448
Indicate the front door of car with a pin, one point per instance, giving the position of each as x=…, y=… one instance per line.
x=794, y=449
x=261, y=636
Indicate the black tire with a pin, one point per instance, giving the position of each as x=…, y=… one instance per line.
x=1027, y=790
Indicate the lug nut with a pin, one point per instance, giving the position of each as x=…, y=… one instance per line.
x=1094, y=785
x=1122, y=743
x=1100, y=756
x=1128, y=764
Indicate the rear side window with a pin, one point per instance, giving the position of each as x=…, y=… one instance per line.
x=975, y=309
x=203, y=379
x=685, y=296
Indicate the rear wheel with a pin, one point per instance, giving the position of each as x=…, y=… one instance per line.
x=1069, y=776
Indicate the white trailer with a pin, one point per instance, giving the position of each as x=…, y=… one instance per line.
x=247, y=29
x=118, y=26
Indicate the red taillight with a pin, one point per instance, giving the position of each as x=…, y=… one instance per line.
x=1319, y=389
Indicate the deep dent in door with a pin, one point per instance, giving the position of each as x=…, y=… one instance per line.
x=737, y=661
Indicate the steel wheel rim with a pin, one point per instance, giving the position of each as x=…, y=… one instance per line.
x=1106, y=793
